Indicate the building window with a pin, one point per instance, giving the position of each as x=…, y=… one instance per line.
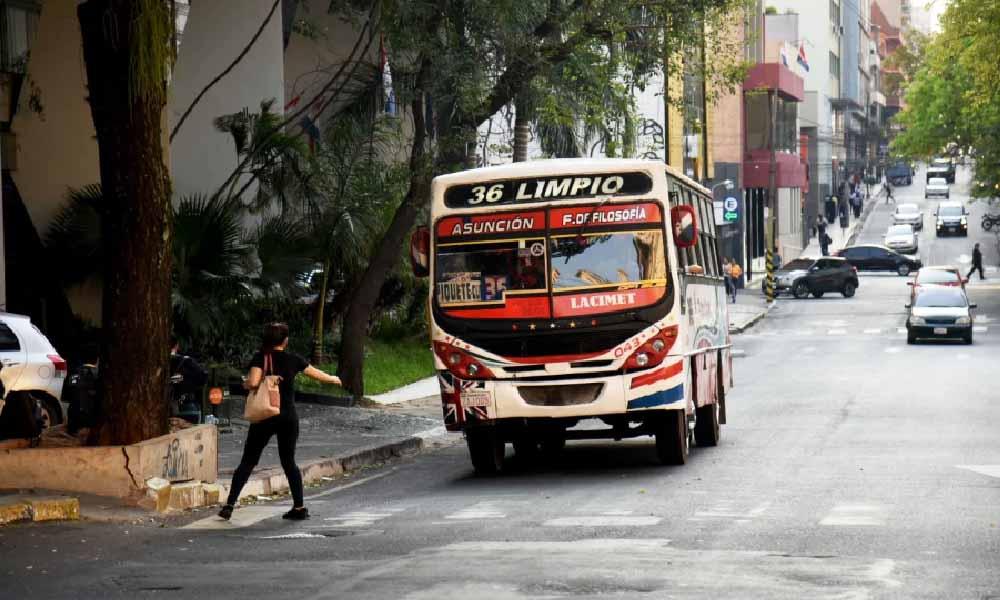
x=18, y=24
x=834, y=65
x=835, y=13
x=758, y=120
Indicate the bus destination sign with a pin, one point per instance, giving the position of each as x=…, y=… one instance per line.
x=547, y=189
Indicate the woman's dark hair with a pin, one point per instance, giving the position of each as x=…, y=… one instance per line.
x=274, y=334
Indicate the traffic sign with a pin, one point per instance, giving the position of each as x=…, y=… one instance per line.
x=731, y=210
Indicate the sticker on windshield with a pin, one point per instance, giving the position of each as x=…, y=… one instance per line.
x=460, y=288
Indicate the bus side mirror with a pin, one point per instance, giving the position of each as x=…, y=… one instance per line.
x=685, y=226
x=420, y=243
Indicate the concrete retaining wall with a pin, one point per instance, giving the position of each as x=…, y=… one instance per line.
x=119, y=471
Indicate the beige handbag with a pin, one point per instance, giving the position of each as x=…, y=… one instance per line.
x=264, y=401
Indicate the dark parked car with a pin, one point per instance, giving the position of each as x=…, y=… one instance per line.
x=879, y=258
x=816, y=276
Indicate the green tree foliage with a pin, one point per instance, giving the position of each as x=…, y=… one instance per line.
x=953, y=102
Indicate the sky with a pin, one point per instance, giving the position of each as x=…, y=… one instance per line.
x=927, y=12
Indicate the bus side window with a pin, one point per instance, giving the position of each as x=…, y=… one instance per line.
x=711, y=250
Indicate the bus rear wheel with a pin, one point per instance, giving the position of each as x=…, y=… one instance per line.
x=672, y=440
x=486, y=449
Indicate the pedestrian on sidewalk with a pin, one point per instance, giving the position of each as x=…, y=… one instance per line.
x=284, y=425
x=977, y=263
x=735, y=272
x=844, y=220
x=856, y=202
x=824, y=243
x=727, y=275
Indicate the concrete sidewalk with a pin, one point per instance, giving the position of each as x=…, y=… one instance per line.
x=750, y=307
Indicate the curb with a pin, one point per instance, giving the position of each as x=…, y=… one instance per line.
x=862, y=222
x=273, y=481
x=753, y=321
x=19, y=509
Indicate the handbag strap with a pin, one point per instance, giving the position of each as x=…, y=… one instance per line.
x=268, y=364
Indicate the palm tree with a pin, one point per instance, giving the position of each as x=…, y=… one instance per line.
x=349, y=189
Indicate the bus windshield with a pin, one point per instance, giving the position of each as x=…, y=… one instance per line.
x=614, y=259
x=483, y=273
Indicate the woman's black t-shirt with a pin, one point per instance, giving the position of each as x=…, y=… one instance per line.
x=286, y=365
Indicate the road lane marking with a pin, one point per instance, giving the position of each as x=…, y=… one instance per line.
x=360, y=518
x=603, y=521
x=242, y=517
x=980, y=328
x=901, y=330
x=873, y=331
x=836, y=332
x=988, y=470
x=893, y=350
x=480, y=510
x=855, y=515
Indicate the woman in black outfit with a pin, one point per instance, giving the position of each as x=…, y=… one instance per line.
x=285, y=425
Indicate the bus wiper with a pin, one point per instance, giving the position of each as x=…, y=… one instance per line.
x=587, y=221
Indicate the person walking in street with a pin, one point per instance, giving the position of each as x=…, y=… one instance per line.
x=887, y=188
x=285, y=425
x=977, y=263
x=727, y=275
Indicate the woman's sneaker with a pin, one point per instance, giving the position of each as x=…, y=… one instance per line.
x=297, y=514
x=226, y=512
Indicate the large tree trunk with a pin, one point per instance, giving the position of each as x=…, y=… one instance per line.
x=354, y=333
x=137, y=268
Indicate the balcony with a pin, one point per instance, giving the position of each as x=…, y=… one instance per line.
x=775, y=77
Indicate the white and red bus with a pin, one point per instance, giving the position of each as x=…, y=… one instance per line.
x=567, y=290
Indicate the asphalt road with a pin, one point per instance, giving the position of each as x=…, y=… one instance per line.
x=853, y=466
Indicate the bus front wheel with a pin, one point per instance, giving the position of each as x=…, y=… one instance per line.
x=706, y=425
x=672, y=440
x=486, y=449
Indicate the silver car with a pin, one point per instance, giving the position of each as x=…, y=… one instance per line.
x=908, y=214
x=936, y=186
x=902, y=239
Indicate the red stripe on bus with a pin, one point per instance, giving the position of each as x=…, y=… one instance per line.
x=613, y=214
x=658, y=375
x=531, y=307
x=595, y=303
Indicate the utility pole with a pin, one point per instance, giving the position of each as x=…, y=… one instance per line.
x=770, y=235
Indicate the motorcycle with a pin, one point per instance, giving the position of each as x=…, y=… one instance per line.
x=989, y=221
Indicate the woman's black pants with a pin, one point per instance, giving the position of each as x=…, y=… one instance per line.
x=258, y=437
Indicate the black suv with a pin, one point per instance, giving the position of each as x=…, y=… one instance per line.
x=879, y=258
x=816, y=276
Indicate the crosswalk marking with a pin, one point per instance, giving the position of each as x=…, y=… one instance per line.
x=837, y=332
x=855, y=515
x=603, y=521
x=987, y=470
x=360, y=519
x=873, y=331
x=480, y=510
x=727, y=510
x=980, y=328
x=893, y=350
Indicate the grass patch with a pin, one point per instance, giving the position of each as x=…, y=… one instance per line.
x=388, y=365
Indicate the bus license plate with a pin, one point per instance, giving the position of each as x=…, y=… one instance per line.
x=940, y=331
x=472, y=398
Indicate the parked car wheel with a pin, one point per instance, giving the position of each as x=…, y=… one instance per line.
x=967, y=338
x=849, y=289
x=51, y=413
x=817, y=294
x=800, y=290
x=903, y=270
x=911, y=338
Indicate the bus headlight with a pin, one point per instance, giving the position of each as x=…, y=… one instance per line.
x=472, y=369
x=652, y=352
x=642, y=359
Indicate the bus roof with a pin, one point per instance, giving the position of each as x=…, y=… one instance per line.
x=564, y=165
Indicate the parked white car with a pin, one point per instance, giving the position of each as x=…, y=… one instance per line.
x=32, y=365
x=902, y=239
x=937, y=186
